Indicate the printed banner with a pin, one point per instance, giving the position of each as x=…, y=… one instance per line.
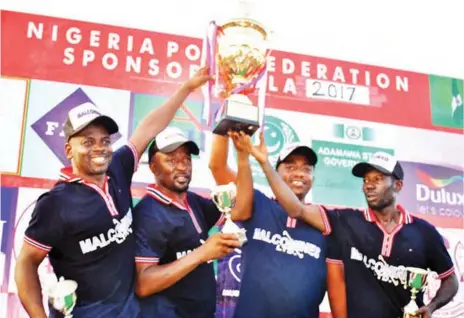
x=446, y=101
x=334, y=183
x=188, y=119
x=49, y=103
x=433, y=190
x=9, y=199
x=150, y=62
x=13, y=102
x=228, y=284
x=345, y=111
x=454, y=241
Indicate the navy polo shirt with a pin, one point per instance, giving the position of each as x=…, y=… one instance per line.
x=87, y=232
x=375, y=260
x=283, y=265
x=165, y=231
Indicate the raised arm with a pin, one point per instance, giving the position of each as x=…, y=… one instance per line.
x=244, y=201
x=310, y=214
x=222, y=173
x=158, y=119
x=27, y=280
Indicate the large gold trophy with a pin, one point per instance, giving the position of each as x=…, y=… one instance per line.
x=236, y=52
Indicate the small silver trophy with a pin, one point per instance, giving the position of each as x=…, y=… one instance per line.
x=63, y=296
x=416, y=281
x=223, y=197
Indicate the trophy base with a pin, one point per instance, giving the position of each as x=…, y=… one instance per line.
x=239, y=115
x=232, y=228
x=410, y=309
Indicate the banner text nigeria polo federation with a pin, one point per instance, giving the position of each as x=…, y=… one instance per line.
x=167, y=57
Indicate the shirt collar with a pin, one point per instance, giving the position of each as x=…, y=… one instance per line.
x=156, y=193
x=405, y=217
x=66, y=175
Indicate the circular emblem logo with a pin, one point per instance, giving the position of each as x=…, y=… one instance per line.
x=234, y=266
x=277, y=133
x=353, y=132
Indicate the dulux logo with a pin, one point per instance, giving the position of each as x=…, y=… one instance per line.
x=434, y=190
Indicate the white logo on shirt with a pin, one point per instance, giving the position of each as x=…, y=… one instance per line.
x=117, y=234
x=183, y=253
x=285, y=244
x=384, y=272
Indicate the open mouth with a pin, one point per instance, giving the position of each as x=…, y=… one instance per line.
x=99, y=160
x=297, y=183
x=182, y=179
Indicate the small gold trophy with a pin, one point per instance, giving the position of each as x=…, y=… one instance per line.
x=417, y=281
x=237, y=52
x=223, y=197
x=63, y=296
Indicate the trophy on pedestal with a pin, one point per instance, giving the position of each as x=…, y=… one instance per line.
x=236, y=52
x=223, y=197
x=416, y=281
x=63, y=296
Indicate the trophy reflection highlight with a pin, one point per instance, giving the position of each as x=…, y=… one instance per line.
x=416, y=282
x=62, y=296
x=223, y=197
x=237, y=52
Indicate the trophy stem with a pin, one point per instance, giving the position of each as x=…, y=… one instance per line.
x=411, y=308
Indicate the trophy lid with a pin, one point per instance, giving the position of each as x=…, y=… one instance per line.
x=244, y=13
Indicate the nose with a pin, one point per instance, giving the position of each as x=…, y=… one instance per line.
x=369, y=186
x=98, y=147
x=181, y=166
x=299, y=173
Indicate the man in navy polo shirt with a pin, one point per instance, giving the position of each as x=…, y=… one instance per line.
x=283, y=264
x=377, y=244
x=175, y=277
x=84, y=223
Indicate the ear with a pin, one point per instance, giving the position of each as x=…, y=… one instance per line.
x=68, y=150
x=398, y=185
x=153, y=166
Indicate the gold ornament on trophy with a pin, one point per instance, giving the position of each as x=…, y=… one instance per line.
x=236, y=52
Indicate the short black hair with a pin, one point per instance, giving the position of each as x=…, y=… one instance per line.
x=152, y=150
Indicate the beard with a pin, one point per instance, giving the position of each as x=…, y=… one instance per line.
x=385, y=200
x=181, y=186
x=381, y=204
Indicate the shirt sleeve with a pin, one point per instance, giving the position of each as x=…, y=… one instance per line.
x=210, y=212
x=151, y=233
x=333, y=250
x=333, y=220
x=261, y=205
x=45, y=229
x=438, y=258
x=126, y=160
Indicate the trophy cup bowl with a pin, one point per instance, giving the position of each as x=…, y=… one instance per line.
x=63, y=296
x=416, y=281
x=223, y=197
x=241, y=58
